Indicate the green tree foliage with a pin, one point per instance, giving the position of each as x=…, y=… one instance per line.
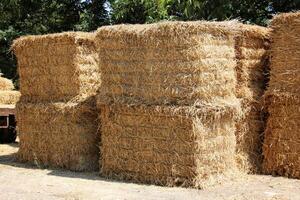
x=252, y=11
x=249, y=11
x=140, y=11
x=23, y=17
x=94, y=14
x=285, y=5
x=132, y=12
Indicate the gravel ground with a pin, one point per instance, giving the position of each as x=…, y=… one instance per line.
x=23, y=181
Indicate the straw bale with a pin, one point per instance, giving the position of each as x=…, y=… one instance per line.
x=285, y=59
x=57, y=67
x=167, y=63
x=59, y=134
x=9, y=97
x=281, y=143
x=6, y=84
x=252, y=44
x=166, y=145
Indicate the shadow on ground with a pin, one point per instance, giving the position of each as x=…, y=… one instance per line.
x=8, y=154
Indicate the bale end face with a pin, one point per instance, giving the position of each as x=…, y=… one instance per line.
x=57, y=67
x=167, y=146
x=281, y=144
x=284, y=74
x=58, y=135
x=171, y=63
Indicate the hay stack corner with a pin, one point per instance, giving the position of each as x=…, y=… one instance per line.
x=252, y=54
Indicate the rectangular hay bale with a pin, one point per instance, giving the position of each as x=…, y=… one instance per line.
x=59, y=134
x=57, y=67
x=9, y=97
x=284, y=74
x=165, y=145
x=282, y=136
x=168, y=63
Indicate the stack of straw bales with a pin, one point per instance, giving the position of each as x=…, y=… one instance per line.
x=281, y=144
x=56, y=114
x=7, y=93
x=168, y=102
x=252, y=43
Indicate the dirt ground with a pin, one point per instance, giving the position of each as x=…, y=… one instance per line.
x=23, y=181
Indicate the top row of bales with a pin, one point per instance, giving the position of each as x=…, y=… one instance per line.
x=202, y=67
x=173, y=63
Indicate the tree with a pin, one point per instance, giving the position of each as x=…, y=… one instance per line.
x=23, y=17
x=127, y=11
x=284, y=5
x=94, y=14
x=248, y=11
x=140, y=11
